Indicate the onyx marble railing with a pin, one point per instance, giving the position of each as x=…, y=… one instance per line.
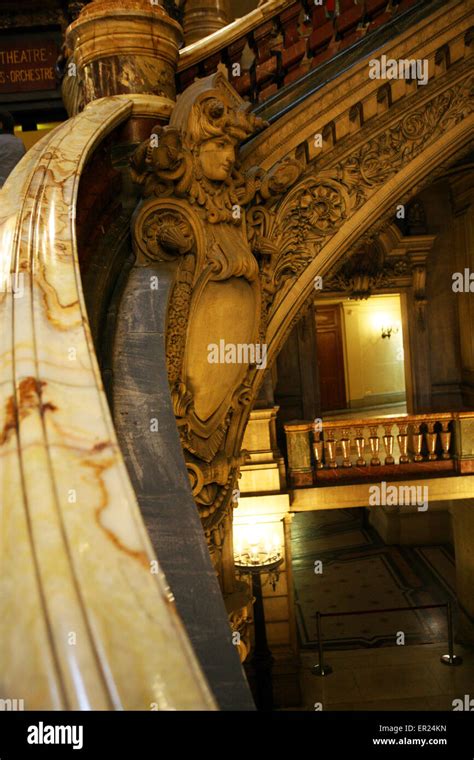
x=392, y=446
x=281, y=41
x=87, y=620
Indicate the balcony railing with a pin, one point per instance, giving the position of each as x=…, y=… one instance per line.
x=390, y=447
x=281, y=41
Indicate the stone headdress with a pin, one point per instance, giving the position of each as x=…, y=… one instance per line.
x=167, y=163
x=210, y=108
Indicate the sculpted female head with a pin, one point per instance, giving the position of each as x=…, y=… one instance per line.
x=217, y=157
x=196, y=154
x=212, y=120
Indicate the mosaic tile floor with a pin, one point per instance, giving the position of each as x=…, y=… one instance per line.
x=360, y=572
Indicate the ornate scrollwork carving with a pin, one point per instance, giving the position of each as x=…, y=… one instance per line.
x=380, y=158
x=288, y=234
x=166, y=235
x=290, y=237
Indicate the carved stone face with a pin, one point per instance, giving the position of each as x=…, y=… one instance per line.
x=217, y=157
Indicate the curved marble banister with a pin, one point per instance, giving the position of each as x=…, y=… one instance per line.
x=85, y=623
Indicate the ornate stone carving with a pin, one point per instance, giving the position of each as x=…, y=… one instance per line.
x=288, y=234
x=193, y=214
x=380, y=158
x=234, y=240
x=289, y=237
x=368, y=269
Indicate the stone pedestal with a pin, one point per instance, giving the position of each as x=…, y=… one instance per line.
x=299, y=453
x=265, y=470
x=464, y=443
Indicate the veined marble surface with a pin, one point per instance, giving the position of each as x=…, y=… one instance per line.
x=85, y=623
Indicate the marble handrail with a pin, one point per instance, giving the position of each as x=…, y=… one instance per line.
x=86, y=618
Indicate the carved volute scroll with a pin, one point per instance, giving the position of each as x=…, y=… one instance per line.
x=297, y=228
x=193, y=213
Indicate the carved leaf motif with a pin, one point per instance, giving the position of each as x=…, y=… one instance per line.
x=313, y=210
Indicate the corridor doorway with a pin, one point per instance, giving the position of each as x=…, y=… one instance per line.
x=360, y=356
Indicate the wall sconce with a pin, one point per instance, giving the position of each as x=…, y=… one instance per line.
x=388, y=330
x=384, y=324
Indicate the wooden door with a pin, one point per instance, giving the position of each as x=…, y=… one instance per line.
x=330, y=356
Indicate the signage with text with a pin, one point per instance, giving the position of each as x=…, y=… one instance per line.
x=27, y=64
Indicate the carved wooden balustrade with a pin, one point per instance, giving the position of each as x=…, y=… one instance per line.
x=389, y=447
x=282, y=40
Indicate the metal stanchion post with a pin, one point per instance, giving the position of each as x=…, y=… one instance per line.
x=321, y=669
x=450, y=658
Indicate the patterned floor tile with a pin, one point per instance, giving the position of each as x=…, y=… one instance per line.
x=359, y=572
